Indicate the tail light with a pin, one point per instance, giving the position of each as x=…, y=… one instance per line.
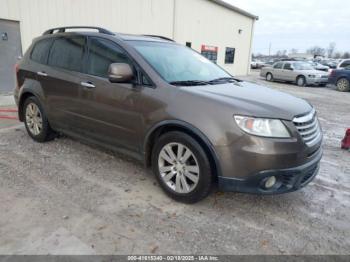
x=16, y=71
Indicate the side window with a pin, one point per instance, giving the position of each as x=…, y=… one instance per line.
x=102, y=53
x=278, y=66
x=287, y=66
x=68, y=53
x=230, y=55
x=40, y=51
x=345, y=64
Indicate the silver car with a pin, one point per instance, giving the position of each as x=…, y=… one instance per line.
x=301, y=73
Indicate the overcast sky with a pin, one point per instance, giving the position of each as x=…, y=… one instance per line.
x=299, y=24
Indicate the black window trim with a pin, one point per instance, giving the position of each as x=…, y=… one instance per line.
x=82, y=69
x=139, y=70
x=234, y=55
x=48, y=53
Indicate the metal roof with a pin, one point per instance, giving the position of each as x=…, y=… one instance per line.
x=234, y=8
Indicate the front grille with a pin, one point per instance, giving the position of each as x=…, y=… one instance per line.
x=308, y=128
x=325, y=76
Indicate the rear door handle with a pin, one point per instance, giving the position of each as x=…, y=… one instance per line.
x=87, y=84
x=41, y=73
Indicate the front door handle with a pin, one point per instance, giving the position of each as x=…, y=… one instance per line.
x=87, y=84
x=41, y=73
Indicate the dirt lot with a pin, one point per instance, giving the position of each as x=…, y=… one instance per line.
x=65, y=197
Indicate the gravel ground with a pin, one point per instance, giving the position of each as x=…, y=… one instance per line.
x=65, y=197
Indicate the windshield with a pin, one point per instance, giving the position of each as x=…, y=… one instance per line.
x=302, y=66
x=176, y=63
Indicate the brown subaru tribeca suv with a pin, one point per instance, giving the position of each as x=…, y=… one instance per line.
x=167, y=105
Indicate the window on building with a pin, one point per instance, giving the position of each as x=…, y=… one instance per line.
x=230, y=55
x=102, y=53
x=68, y=53
x=189, y=44
x=40, y=51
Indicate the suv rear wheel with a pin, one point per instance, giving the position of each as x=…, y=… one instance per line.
x=343, y=85
x=182, y=167
x=35, y=121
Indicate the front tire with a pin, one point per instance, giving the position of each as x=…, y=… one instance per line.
x=301, y=81
x=182, y=167
x=269, y=77
x=36, y=122
x=343, y=85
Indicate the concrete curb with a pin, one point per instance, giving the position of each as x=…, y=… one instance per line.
x=7, y=100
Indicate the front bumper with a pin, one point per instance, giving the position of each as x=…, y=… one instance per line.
x=288, y=180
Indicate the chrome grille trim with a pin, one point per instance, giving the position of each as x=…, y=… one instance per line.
x=308, y=128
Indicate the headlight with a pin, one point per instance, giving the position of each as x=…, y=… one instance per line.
x=262, y=126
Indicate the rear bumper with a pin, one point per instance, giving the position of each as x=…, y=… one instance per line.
x=288, y=180
x=317, y=81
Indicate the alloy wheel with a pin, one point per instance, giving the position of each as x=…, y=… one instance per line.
x=343, y=84
x=34, y=119
x=178, y=168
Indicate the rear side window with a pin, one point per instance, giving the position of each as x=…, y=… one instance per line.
x=278, y=66
x=102, y=53
x=68, y=53
x=40, y=51
x=345, y=64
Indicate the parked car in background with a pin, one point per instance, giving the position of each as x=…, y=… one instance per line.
x=341, y=79
x=330, y=63
x=301, y=73
x=256, y=64
x=319, y=66
x=159, y=102
x=343, y=64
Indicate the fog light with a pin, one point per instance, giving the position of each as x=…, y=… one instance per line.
x=270, y=182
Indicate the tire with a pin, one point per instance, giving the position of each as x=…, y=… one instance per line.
x=343, y=85
x=301, y=81
x=198, y=181
x=269, y=77
x=36, y=122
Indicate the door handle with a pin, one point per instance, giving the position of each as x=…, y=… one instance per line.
x=41, y=73
x=87, y=84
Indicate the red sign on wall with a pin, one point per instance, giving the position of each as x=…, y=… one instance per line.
x=208, y=48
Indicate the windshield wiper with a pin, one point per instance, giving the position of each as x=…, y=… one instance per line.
x=223, y=80
x=189, y=83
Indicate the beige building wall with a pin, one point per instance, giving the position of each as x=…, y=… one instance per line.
x=204, y=22
x=196, y=21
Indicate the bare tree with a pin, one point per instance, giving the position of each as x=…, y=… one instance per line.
x=338, y=55
x=346, y=55
x=331, y=49
x=316, y=50
x=294, y=51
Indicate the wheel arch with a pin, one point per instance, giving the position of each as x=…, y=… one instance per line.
x=175, y=125
x=24, y=96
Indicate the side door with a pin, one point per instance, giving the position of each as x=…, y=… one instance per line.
x=61, y=80
x=111, y=112
x=288, y=72
x=277, y=70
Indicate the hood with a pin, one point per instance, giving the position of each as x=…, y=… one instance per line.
x=254, y=100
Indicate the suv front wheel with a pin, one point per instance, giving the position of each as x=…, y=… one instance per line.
x=182, y=167
x=35, y=120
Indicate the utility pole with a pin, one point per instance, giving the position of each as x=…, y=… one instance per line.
x=270, y=49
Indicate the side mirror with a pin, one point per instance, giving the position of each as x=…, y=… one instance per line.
x=120, y=73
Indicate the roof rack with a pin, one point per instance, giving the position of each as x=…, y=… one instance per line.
x=63, y=29
x=161, y=37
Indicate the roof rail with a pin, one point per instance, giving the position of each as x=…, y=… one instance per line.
x=63, y=29
x=161, y=37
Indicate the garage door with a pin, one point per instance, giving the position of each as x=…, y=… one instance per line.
x=10, y=49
